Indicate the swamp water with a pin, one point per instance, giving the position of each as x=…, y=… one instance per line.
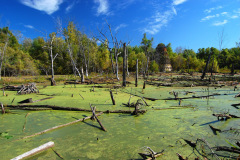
x=126, y=135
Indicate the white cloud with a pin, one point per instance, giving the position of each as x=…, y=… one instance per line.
x=234, y=16
x=29, y=26
x=103, y=7
x=120, y=26
x=178, y=2
x=208, y=17
x=69, y=7
x=158, y=21
x=161, y=19
x=212, y=9
x=224, y=13
x=48, y=6
x=220, y=23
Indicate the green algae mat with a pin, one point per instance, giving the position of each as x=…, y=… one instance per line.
x=164, y=126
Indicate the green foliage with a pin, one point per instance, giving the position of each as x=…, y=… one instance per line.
x=153, y=66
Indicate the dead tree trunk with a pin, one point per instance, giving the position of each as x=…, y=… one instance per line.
x=205, y=70
x=75, y=69
x=110, y=51
x=136, y=79
x=127, y=62
x=2, y=53
x=124, y=65
x=116, y=57
x=3, y=110
x=53, y=82
x=111, y=94
x=82, y=76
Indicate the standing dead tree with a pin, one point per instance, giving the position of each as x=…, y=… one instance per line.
x=49, y=46
x=2, y=54
x=205, y=69
x=124, y=65
x=116, y=46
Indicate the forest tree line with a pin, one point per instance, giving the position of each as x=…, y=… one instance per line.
x=73, y=52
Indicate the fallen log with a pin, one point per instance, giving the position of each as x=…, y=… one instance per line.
x=35, y=107
x=222, y=116
x=60, y=126
x=94, y=115
x=35, y=151
x=228, y=149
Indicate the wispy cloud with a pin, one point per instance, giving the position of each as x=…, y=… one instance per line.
x=212, y=9
x=220, y=23
x=120, y=26
x=69, y=7
x=178, y=2
x=209, y=17
x=29, y=26
x=48, y=6
x=103, y=7
x=161, y=19
x=122, y=4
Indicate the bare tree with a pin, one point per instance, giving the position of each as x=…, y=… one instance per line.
x=52, y=38
x=116, y=46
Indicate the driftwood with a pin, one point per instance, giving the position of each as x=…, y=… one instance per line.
x=238, y=95
x=35, y=151
x=56, y=127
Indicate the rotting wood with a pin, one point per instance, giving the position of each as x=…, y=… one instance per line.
x=3, y=110
x=35, y=151
x=59, y=126
x=113, y=101
x=222, y=116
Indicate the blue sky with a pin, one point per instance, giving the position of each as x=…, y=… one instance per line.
x=191, y=24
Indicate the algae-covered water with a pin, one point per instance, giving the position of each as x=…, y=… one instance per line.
x=126, y=135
